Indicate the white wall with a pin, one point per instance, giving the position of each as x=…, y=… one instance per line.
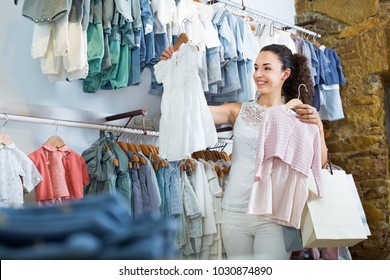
x=24, y=90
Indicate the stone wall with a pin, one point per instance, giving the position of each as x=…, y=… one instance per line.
x=359, y=31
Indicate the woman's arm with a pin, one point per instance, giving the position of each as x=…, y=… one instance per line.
x=226, y=113
x=308, y=114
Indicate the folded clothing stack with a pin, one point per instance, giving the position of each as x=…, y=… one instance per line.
x=92, y=228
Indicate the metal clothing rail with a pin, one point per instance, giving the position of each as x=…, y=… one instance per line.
x=112, y=128
x=101, y=127
x=256, y=14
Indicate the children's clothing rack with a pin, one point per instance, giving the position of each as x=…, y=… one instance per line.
x=257, y=15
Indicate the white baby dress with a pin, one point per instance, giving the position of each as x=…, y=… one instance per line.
x=186, y=124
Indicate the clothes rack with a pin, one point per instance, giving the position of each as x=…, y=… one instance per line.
x=256, y=14
x=112, y=128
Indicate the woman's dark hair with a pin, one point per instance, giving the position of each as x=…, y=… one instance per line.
x=300, y=73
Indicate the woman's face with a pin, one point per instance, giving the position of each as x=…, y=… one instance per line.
x=269, y=76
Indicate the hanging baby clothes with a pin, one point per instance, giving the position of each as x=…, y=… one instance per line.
x=64, y=174
x=14, y=165
x=286, y=151
x=186, y=123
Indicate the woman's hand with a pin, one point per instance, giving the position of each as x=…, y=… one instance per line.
x=308, y=114
x=167, y=53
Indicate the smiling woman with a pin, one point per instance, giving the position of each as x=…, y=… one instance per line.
x=278, y=74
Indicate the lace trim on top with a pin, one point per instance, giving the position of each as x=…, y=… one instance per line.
x=248, y=124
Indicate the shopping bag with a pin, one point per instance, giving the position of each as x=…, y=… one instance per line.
x=334, y=219
x=292, y=239
x=358, y=203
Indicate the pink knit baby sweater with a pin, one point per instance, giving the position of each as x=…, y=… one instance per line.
x=284, y=136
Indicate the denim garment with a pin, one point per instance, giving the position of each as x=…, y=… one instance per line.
x=218, y=99
x=234, y=25
x=136, y=189
x=101, y=169
x=331, y=108
x=307, y=53
x=123, y=182
x=135, y=67
x=226, y=35
x=316, y=103
x=164, y=195
x=213, y=66
x=231, y=78
x=148, y=34
x=336, y=74
x=323, y=67
x=126, y=32
x=142, y=50
x=75, y=246
x=97, y=228
x=228, y=40
x=154, y=190
x=149, y=237
x=243, y=93
x=314, y=60
x=136, y=14
x=148, y=176
x=25, y=225
x=161, y=43
x=172, y=179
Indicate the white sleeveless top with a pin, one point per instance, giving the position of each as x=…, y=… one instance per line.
x=241, y=176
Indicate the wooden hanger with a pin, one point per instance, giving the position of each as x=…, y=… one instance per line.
x=56, y=141
x=115, y=161
x=182, y=39
x=123, y=146
x=5, y=139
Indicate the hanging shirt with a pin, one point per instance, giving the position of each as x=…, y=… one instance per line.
x=186, y=123
x=76, y=173
x=14, y=164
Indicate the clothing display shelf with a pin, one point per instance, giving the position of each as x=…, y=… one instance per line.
x=246, y=11
x=101, y=127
